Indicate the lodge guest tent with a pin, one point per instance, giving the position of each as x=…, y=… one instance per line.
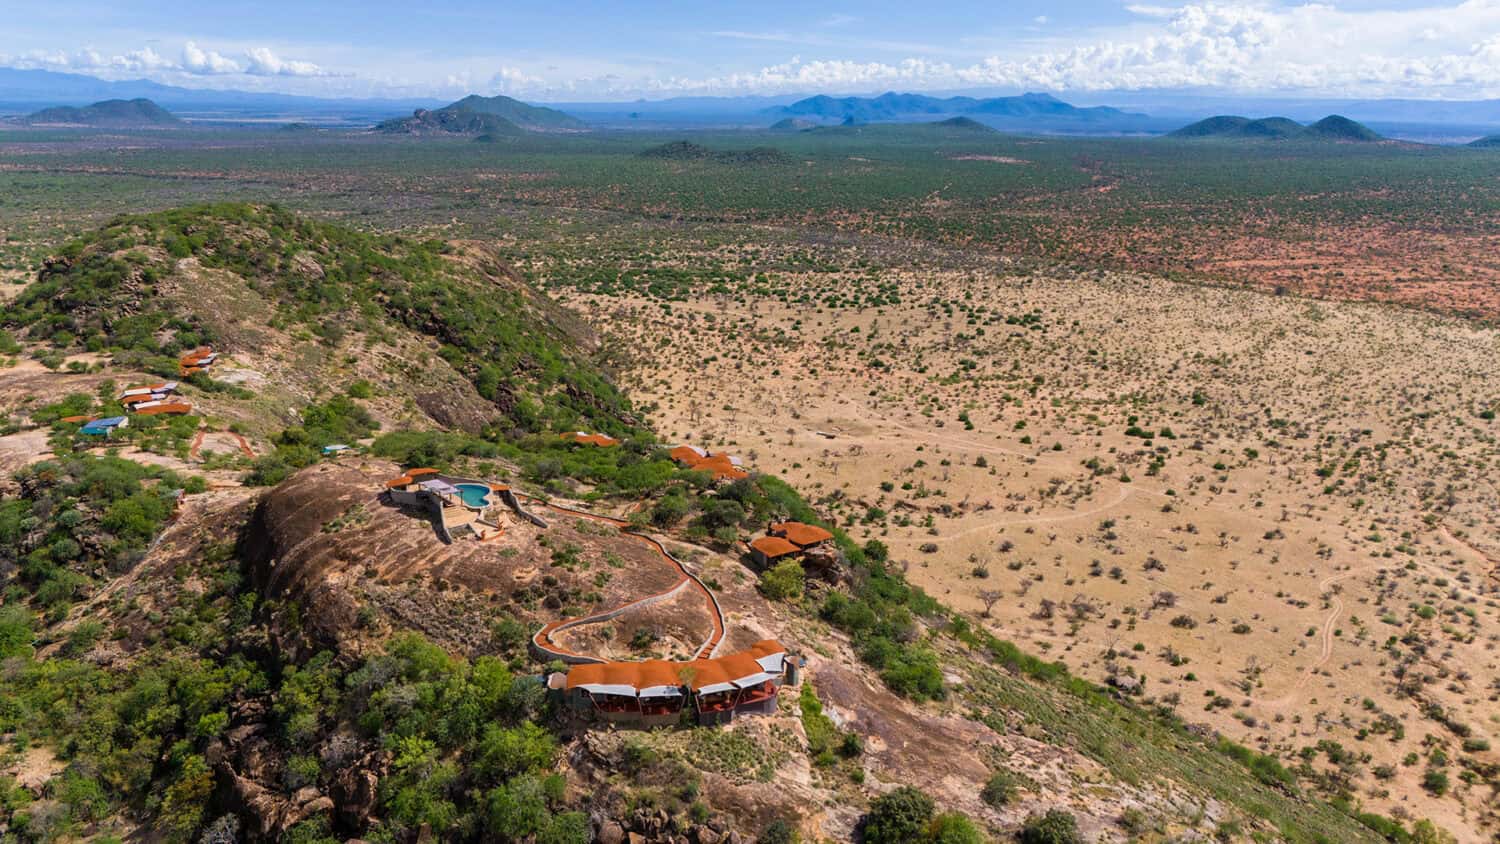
x=104, y=427
x=788, y=539
x=656, y=692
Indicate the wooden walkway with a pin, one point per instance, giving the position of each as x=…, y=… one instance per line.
x=542, y=641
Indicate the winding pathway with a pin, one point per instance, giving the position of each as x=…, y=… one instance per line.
x=542, y=640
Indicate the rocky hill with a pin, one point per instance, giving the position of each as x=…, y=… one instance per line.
x=294, y=656
x=476, y=115
x=1332, y=128
x=306, y=307
x=138, y=113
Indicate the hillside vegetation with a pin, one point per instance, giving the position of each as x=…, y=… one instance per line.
x=148, y=287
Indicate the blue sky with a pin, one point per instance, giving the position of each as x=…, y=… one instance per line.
x=610, y=51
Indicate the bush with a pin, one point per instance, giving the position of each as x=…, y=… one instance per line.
x=779, y=832
x=999, y=789
x=783, y=582
x=1435, y=782
x=953, y=828
x=1055, y=827
x=900, y=817
x=16, y=631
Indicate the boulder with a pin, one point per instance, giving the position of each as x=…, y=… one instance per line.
x=610, y=832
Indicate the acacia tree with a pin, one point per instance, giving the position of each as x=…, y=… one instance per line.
x=990, y=597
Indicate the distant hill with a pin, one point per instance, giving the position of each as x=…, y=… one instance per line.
x=1272, y=127
x=1336, y=127
x=476, y=115
x=1331, y=128
x=967, y=124
x=792, y=124
x=1041, y=112
x=689, y=151
x=111, y=114
x=1493, y=141
x=953, y=128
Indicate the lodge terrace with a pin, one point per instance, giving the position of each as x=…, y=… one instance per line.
x=656, y=692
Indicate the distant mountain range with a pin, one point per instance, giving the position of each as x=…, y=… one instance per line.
x=1493, y=141
x=1113, y=112
x=476, y=115
x=139, y=113
x=1037, y=112
x=23, y=91
x=1331, y=128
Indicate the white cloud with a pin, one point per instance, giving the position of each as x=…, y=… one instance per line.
x=513, y=80
x=195, y=60
x=1236, y=46
x=263, y=62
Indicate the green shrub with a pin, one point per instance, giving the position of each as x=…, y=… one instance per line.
x=779, y=832
x=898, y=817
x=953, y=828
x=999, y=790
x=1054, y=827
x=783, y=582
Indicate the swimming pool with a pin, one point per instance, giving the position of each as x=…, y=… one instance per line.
x=474, y=495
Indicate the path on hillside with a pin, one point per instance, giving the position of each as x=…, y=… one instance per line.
x=244, y=445
x=542, y=640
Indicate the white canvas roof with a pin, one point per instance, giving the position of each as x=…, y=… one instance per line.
x=440, y=486
x=621, y=689
x=754, y=680
x=774, y=663
x=661, y=691
x=716, y=688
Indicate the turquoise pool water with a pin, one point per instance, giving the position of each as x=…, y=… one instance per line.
x=474, y=495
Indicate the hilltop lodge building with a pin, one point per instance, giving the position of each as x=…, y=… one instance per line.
x=657, y=692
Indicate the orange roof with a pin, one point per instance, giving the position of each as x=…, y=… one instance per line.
x=765, y=647
x=168, y=407
x=720, y=467
x=583, y=438
x=686, y=454
x=740, y=665
x=801, y=534
x=774, y=546
x=637, y=675
x=404, y=480
x=75, y=419
x=144, y=397
x=415, y=472
x=696, y=674
x=706, y=672
x=196, y=355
